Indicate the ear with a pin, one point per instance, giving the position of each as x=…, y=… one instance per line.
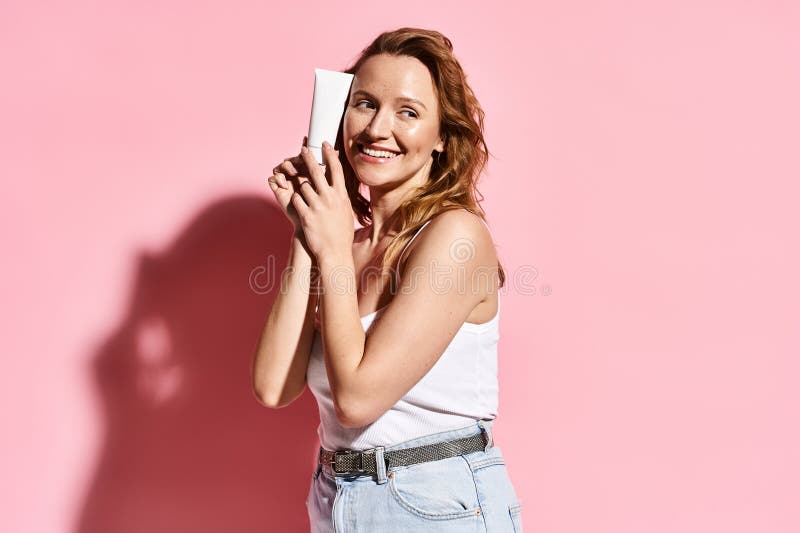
x=439, y=146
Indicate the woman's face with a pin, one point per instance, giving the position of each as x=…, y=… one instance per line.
x=392, y=107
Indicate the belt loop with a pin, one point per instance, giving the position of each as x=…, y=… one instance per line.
x=380, y=465
x=489, y=439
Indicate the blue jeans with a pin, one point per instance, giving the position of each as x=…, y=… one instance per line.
x=469, y=493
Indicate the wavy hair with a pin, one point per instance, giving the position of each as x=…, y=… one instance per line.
x=454, y=174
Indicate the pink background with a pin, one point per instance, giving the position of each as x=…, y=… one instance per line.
x=642, y=195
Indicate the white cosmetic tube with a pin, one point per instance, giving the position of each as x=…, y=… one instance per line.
x=331, y=89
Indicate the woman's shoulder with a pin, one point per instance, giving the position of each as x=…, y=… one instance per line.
x=460, y=222
x=462, y=233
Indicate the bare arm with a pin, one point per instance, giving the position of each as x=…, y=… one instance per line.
x=449, y=272
x=281, y=356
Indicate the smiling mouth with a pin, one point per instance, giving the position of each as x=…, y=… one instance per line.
x=377, y=154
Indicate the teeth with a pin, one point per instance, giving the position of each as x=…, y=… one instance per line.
x=378, y=153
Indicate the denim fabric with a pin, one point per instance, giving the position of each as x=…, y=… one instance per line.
x=468, y=493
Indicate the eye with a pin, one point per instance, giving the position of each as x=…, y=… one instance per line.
x=413, y=113
x=362, y=102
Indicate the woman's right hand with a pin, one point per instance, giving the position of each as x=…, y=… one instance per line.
x=285, y=180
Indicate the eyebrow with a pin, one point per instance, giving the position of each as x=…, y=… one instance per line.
x=399, y=99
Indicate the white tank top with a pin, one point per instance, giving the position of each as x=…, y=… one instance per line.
x=460, y=388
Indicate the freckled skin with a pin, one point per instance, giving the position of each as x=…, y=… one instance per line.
x=398, y=125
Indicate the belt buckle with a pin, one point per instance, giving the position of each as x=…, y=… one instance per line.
x=347, y=472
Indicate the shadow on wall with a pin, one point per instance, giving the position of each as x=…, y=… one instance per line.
x=187, y=447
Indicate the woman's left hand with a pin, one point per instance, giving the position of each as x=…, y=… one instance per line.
x=324, y=209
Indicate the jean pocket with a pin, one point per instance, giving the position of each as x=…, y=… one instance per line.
x=515, y=512
x=436, y=490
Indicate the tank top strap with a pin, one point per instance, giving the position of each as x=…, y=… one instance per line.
x=402, y=253
x=400, y=258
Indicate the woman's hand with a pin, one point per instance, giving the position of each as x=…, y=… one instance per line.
x=323, y=208
x=285, y=181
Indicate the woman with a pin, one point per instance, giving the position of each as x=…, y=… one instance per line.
x=404, y=369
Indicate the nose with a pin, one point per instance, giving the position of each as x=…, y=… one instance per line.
x=380, y=127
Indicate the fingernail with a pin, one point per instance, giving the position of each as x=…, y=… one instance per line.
x=326, y=144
